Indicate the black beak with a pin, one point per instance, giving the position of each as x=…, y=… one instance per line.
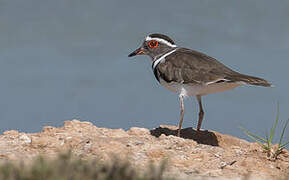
x=139, y=51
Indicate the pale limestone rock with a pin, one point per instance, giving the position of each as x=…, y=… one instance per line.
x=25, y=138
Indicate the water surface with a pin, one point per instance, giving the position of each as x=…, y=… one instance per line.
x=65, y=59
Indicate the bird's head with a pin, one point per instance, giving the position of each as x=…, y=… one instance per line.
x=154, y=46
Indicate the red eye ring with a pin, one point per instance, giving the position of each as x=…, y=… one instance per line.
x=153, y=44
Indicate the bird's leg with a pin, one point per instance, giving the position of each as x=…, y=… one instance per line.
x=201, y=113
x=182, y=107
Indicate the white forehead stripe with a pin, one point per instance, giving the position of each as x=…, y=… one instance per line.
x=162, y=58
x=148, y=38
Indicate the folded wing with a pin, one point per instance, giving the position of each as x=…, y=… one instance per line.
x=188, y=66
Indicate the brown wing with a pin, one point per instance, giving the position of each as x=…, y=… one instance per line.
x=189, y=66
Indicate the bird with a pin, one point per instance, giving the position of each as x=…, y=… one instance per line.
x=188, y=72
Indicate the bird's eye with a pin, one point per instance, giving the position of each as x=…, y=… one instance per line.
x=153, y=44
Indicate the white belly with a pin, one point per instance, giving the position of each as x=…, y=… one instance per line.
x=197, y=89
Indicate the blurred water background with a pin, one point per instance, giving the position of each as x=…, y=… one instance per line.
x=66, y=59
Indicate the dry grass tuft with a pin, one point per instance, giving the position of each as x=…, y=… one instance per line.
x=66, y=166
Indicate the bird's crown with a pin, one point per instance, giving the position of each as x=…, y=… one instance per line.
x=159, y=38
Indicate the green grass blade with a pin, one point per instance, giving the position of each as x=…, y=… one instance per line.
x=285, y=144
x=259, y=142
x=283, y=131
x=267, y=140
x=255, y=137
x=272, y=132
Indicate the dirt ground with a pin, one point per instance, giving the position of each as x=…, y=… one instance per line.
x=207, y=154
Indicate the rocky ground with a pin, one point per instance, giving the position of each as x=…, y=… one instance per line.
x=208, y=154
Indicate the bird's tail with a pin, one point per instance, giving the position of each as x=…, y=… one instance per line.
x=250, y=80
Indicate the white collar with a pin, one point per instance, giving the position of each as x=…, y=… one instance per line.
x=161, y=59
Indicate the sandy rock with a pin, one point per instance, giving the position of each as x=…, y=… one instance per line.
x=11, y=132
x=193, y=155
x=25, y=138
x=138, y=131
x=48, y=129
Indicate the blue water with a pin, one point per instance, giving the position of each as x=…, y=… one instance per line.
x=66, y=59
